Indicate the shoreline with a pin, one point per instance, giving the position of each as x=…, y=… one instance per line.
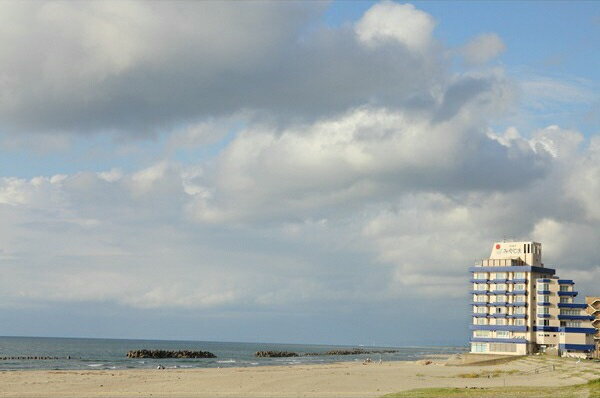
x=338, y=379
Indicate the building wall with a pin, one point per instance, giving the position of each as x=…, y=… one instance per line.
x=593, y=309
x=520, y=307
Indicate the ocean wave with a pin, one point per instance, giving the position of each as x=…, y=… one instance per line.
x=227, y=361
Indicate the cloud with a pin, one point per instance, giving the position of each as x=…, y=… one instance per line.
x=483, y=48
x=324, y=169
x=138, y=68
x=403, y=23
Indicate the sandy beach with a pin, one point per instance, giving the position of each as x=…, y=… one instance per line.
x=345, y=379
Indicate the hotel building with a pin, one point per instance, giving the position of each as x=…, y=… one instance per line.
x=521, y=307
x=593, y=309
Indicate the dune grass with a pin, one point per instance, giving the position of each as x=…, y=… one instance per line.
x=494, y=373
x=590, y=389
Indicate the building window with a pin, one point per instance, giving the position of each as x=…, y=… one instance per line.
x=481, y=333
x=519, y=275
x=481, y=321
x=479, y=347
x=502, y=334
x=501, y=299
x=543, y=310
x=519, y=310
x=545, y=322
x=503, y=347
x=520, y=322
x=566, y=300
x=569, y=311
x=480, y=275
x=544, y=298
x=520, y=299
x=573, y=324
x=565, y=288
x=519, y=287
x=500, y=322
x=544, y=286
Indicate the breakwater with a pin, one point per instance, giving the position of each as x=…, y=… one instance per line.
x=289, y=354
x=181, y=354
x=31, y=358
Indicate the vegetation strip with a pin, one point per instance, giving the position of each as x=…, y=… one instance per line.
x=590, y=389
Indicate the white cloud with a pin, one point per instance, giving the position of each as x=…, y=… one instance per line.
x=390, y=189
x=483, y=48
x=389, y=21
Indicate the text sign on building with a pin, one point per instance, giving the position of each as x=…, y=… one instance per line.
x=507, y=249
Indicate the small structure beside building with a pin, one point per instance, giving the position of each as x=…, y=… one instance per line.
x=521, y=307
x=593, y=308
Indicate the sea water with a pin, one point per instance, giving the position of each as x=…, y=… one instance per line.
x=82, y=353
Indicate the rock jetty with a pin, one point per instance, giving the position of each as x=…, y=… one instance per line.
x=275, y=354
x=169, y=354
x=356, y=351
x=286, y=354
x=30, y=358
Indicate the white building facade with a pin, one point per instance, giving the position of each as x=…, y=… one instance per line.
x=521, y=307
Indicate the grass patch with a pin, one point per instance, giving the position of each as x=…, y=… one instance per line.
x=494, y=373
x=590, y=389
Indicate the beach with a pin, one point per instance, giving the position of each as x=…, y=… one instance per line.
x=343, y=379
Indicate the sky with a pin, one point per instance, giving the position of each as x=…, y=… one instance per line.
x=300, y=172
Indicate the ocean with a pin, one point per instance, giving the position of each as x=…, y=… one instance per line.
x=83, y=353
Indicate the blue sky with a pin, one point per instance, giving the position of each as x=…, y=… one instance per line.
x=288, y=171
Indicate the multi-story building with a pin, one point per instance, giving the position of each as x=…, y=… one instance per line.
x=521, y=307
x=593, y=308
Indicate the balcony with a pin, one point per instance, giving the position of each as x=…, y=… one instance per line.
x=498, y=340
x=572, y=305
x=571, y=294
x=576, y=317
x=519, y=281
x=479, y=291
x=545, y=329
x=517, y=304
x=544, y=304
x=543, y=292
x=498, y=291
x=479, y=281
x=544, y=316
x=577, y=330
x=565, y=282
x=518, y=292
x=510, y=328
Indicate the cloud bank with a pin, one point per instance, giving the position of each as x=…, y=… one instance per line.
x=353, y=164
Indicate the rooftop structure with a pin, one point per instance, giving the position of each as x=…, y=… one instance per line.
x=521, y=307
